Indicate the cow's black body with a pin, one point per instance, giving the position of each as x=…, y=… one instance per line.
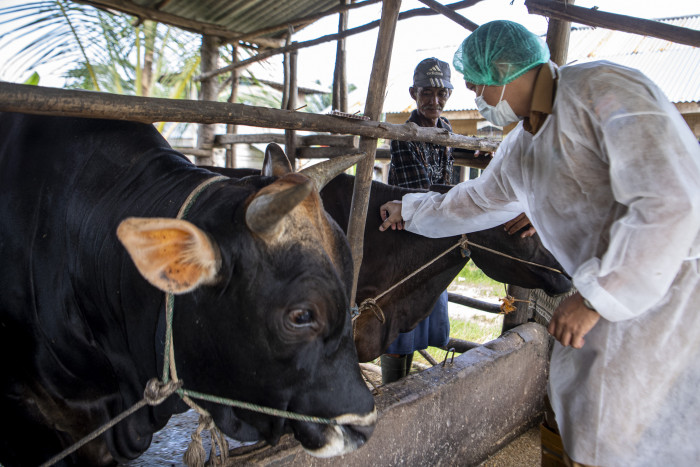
x=81, y=331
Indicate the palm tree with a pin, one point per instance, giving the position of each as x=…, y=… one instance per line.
x=101, y=51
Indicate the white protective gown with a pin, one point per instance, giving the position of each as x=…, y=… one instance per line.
x=612, y=183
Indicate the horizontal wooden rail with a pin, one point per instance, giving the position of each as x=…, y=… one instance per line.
x=53, y=101
x=473, y=303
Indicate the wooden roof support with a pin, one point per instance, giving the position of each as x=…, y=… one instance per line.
x=451, y=14
x=614, y=21
x=74, y=103
x=558, y=33
x=373, y=109
x=340, y=85
x=331, y=37
x=299, y=22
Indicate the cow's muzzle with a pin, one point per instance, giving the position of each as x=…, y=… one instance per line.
x=351, y=432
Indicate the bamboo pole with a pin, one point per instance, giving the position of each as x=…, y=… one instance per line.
x=614, y=21
x=74, y=103
x=373, y=108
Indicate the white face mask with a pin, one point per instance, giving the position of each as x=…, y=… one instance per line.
x=501, y=114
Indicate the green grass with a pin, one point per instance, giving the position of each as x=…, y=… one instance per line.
x=472, y=277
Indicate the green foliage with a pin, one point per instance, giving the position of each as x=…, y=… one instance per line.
x=33, y=80
x=472, y=276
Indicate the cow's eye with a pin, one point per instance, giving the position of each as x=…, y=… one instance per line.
x=301, y=317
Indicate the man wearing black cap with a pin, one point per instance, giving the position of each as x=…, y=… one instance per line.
x=416, y=164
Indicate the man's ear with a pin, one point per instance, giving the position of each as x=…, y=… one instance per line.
x=413, y=92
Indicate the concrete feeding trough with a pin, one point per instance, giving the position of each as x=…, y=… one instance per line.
x=458, y=414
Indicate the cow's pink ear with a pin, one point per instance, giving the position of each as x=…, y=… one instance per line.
x=173, y=255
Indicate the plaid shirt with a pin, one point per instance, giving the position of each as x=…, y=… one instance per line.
x=419, y=164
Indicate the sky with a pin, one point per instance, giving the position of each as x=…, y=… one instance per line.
x=415, y=38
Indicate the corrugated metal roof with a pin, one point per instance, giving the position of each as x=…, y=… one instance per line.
x=231, y=16
x=675, y=68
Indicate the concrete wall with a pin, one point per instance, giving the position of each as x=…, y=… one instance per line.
x=452, y=416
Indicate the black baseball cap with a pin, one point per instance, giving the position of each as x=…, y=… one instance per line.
x=432, y=73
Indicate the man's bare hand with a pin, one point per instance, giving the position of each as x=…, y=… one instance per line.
x=571, y=321
x=520, y=222
x=391, y=215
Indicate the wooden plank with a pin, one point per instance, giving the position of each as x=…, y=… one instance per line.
x=67, y=102
x=260, y=138
x=350, y=141
x=602, y=19
x=373, y=108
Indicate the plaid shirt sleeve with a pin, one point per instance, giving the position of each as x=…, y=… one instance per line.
x=406, y=169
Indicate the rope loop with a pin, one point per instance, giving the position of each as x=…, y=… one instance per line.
x=156, y=392
x=371, y=304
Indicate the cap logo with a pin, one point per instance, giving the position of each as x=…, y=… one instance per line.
x=434, y=70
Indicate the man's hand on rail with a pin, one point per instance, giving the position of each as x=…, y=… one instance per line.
x=391, y=215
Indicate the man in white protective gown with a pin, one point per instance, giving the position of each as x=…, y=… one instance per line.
x=608, y=172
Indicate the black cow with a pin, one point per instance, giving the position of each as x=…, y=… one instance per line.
x=261, y=315
x=390, y=256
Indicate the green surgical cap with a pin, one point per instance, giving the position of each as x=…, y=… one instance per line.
x=498, y=52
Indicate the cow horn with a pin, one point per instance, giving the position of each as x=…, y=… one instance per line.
x=324, y=172
x=267, y=209
x=276, y=162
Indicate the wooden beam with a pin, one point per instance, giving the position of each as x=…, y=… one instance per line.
x=260, y=138
x=74, y=103
x=614, y=21
x=208, y=91
x=340, y=85
x=558, y=32
x=373, y=108
x=350, y=141
x=332, y=37
x=451, y=14
x=298, y=22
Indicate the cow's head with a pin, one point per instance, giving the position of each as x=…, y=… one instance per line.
x=262, y=276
